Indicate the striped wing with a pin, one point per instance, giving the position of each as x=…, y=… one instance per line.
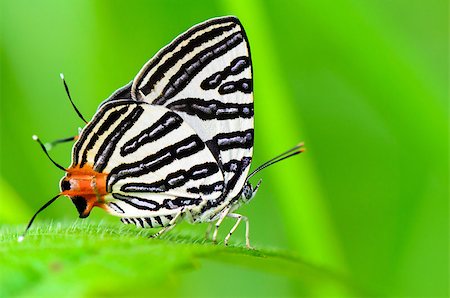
x=205, y=76
x=156, y=163
x=120, y=94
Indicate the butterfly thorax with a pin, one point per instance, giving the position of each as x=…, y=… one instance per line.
x=85, y=187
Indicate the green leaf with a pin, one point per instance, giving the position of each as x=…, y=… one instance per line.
x=85, y=259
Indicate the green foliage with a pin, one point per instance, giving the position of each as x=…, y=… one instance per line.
x=363, y=83
x=91, y=260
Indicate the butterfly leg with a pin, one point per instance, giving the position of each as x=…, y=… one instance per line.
x=208, y=230
x=218, y=223
x=188, y=216
x=247, y=228
x=171, y=224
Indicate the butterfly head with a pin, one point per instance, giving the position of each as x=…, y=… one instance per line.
x=249, y=192
x=85, y=187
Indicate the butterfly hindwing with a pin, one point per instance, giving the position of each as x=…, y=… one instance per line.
x=155, y=162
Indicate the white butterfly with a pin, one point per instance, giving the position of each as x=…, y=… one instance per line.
x=176, y=142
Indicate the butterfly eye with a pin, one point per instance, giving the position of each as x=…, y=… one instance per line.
x=247, y=192
x=65, y=185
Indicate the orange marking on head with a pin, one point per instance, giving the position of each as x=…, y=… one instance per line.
x=85, y=187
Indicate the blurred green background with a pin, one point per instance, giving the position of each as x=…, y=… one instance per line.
x=363, y=83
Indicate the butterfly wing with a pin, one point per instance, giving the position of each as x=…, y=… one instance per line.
x=205, y=76
x=155, y=162
x=120, y=94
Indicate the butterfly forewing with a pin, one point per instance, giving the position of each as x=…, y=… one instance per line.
x=155, y=162
x=205, y=76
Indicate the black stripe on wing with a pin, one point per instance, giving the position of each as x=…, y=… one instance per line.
x=185, y=50
x=154, y=162
x=207, y=189
x=234, y=140
x=236, y=166
x=84, y=135
x=151, y=205
x=116, y=207
x=169, y=49
x=243, y=85
x=236, y=66
x=109, y=144
x=167, y=123
x=193, y=66
x=112, y=118
x=149, y=222
x=137, y=202
x=212, y=109
x=174, y=180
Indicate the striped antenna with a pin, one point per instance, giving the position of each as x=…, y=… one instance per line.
x=21, y=237
x=36, y=138
x=70, y=98
x=291, y=152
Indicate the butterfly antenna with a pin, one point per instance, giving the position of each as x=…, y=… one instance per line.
x=70, y=98
x=50, y=145
x=36, y=138
x=21, y=237
x=291, y=152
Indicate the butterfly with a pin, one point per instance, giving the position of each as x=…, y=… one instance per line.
x=177, y=141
